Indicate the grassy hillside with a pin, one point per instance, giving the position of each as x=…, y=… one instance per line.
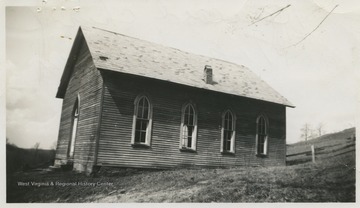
x=331, y=180
x=326, y=146
x=19, y=159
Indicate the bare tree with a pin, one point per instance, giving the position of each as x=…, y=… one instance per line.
x=313, y=134
x=320, y=129
x=306, y=131
x=36, y=149
x=36, y=146
x=53, y=152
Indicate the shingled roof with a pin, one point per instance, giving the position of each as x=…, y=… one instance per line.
x=120, y=53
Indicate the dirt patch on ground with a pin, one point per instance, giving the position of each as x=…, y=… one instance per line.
x=331, y=180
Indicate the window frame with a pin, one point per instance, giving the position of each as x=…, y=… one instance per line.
x=148, y=134
x=72, y=141
x=233, y=136
x=265, y=148
x=182, y=125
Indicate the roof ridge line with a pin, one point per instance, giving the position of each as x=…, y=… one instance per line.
x=239, y=69
x=166, y=46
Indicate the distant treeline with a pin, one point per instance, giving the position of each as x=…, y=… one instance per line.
x=329, y=145
x=19, y=159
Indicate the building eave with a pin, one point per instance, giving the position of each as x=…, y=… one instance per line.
x=71, y=60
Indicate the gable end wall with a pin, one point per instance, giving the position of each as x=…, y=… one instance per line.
x=86, y=82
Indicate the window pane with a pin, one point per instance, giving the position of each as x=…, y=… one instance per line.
x=265, y=127
x=185, y=131
x=226, y=123
x=191, y=110
x=143, y=108
x=228, y=144
x=139, y=112
x=227, y=140
x=259, y=125
x=262, y=125
x=227, y=120
x=261, y=134
x=137, y=136
x=189, y=115
x=226, y=135
x=142, y=137
x=138, y=124
x=190, y=130
x=145, y=112
x=230, y=135
x=188, y=126
x=145, y=102
x=261, y=139
x=140, y=130
x=185, y=140
x=191, y=119
x=187, y=135
x=186, y=119
x=230, y=125
x=261, y=148
x=144, y=124
x=189, y=140
x=187, y=111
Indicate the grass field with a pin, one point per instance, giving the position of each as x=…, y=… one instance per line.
x=326, y=146
x=19, y=159
x=331, y=179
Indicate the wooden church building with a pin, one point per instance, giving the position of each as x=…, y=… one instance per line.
x=132, y=103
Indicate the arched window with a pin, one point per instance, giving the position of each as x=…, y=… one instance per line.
x=261, y=135
x=188, y=128
x=74, y=124
x=142, y=121
x=228, y=132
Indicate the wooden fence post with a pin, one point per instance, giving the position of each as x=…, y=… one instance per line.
x=313, y=153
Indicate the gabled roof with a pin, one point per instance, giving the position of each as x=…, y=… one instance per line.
x=120, y=53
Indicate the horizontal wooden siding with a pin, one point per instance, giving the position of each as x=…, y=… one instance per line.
x=86, y=82
x=115, y=137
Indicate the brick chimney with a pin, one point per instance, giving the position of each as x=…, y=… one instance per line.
x=208, y=75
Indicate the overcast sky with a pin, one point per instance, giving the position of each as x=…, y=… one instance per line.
x=318, y=74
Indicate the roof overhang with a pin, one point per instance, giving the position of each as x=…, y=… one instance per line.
x=70, y=63
x=102, y=43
